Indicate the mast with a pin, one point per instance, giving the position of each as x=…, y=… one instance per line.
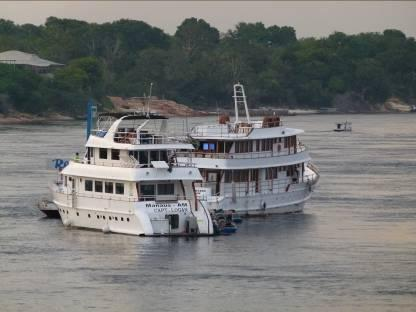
x=148, y=100
x=240, y=98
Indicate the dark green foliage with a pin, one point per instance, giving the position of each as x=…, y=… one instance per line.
x=198, y=66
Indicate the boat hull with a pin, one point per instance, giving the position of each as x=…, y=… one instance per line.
x=133, y=218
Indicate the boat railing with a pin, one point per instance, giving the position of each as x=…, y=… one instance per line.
x=131, y=162
x=124, y=198
x=128, y=137
x=273, y=186
x=250, y=155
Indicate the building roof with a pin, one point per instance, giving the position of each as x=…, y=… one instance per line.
x=22, y=58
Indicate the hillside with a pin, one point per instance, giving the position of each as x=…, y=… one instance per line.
x=197, y=66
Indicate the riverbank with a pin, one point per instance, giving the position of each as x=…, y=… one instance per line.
x=22, y=118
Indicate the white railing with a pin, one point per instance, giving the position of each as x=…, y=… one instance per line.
x=250, y=155
x=243, y=189
x=116, y=197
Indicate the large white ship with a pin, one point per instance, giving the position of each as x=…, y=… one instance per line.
x=131, y=182
x=252, y=167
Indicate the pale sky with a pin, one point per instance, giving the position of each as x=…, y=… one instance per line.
x=309, y=18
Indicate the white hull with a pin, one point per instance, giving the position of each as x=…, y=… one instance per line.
x=262, y=203
x=133, y=218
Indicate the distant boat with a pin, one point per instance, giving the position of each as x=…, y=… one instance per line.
x=343, y=126
x=413, y=109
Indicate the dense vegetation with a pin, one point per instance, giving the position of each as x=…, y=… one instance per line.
x=197, y=65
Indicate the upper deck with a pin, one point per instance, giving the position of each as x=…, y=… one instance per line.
x=136, y=132
x=269, y=127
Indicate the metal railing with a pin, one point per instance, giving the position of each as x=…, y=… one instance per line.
x=121, y=197
x=228, y=130
x=242, y=189
x=250, y=155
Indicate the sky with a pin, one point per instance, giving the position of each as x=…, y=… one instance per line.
x=309, y=18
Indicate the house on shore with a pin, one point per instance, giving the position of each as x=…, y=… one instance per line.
x=29, y=61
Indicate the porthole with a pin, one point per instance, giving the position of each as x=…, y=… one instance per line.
x=104, y=217
x=98, y=217
x=77, y=214
x=116, y=218
x=109, y=218
x=128, y=220
x=122, y=219
x=67, y=212
x=89, y=216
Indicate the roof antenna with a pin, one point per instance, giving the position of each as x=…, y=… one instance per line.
x=148, y=100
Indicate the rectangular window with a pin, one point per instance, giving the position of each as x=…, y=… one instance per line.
x=271, y=173
x=147, y=191
x=144, y=158
x=98, y=186
x=88, y=185
x=103, y=153
x=164, y=156
x=109, y=187
x=205, y=146
x=228, y=176
x=90, y=152
x=115, y=154
x=166, y=189
x=154, y=155
x=120, y=188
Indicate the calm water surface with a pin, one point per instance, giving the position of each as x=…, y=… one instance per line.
x=353, y=248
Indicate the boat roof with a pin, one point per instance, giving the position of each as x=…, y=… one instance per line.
x=131, y=174
x=132, y=115
x=222, y=132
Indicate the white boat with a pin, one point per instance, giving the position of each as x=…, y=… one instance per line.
x=131, y=182
x=343, y=126
x=252, y=166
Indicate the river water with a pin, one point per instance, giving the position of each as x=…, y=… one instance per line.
x=352, y=249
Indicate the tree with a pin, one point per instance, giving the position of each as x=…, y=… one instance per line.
x=195, y=35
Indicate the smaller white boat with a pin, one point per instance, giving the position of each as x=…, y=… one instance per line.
x=48, y=208
x=343, y=126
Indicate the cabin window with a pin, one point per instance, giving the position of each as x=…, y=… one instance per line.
x=88, y=185
x=144, y=157
x=164, y=155
x=173, y=220
x=148, y=191
x=115, y=154
x=228, y=178
x=286, y=142
x=271, y=173
x=98, y=186
x=154, y=156
x=209, y=147
x=103, y=153
x=166, y=189
x=240, y=175
x=120, y=188
x=109, y=187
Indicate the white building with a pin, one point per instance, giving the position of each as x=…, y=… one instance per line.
x=30, y=61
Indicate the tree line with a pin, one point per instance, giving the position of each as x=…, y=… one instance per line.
x=198, y=65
